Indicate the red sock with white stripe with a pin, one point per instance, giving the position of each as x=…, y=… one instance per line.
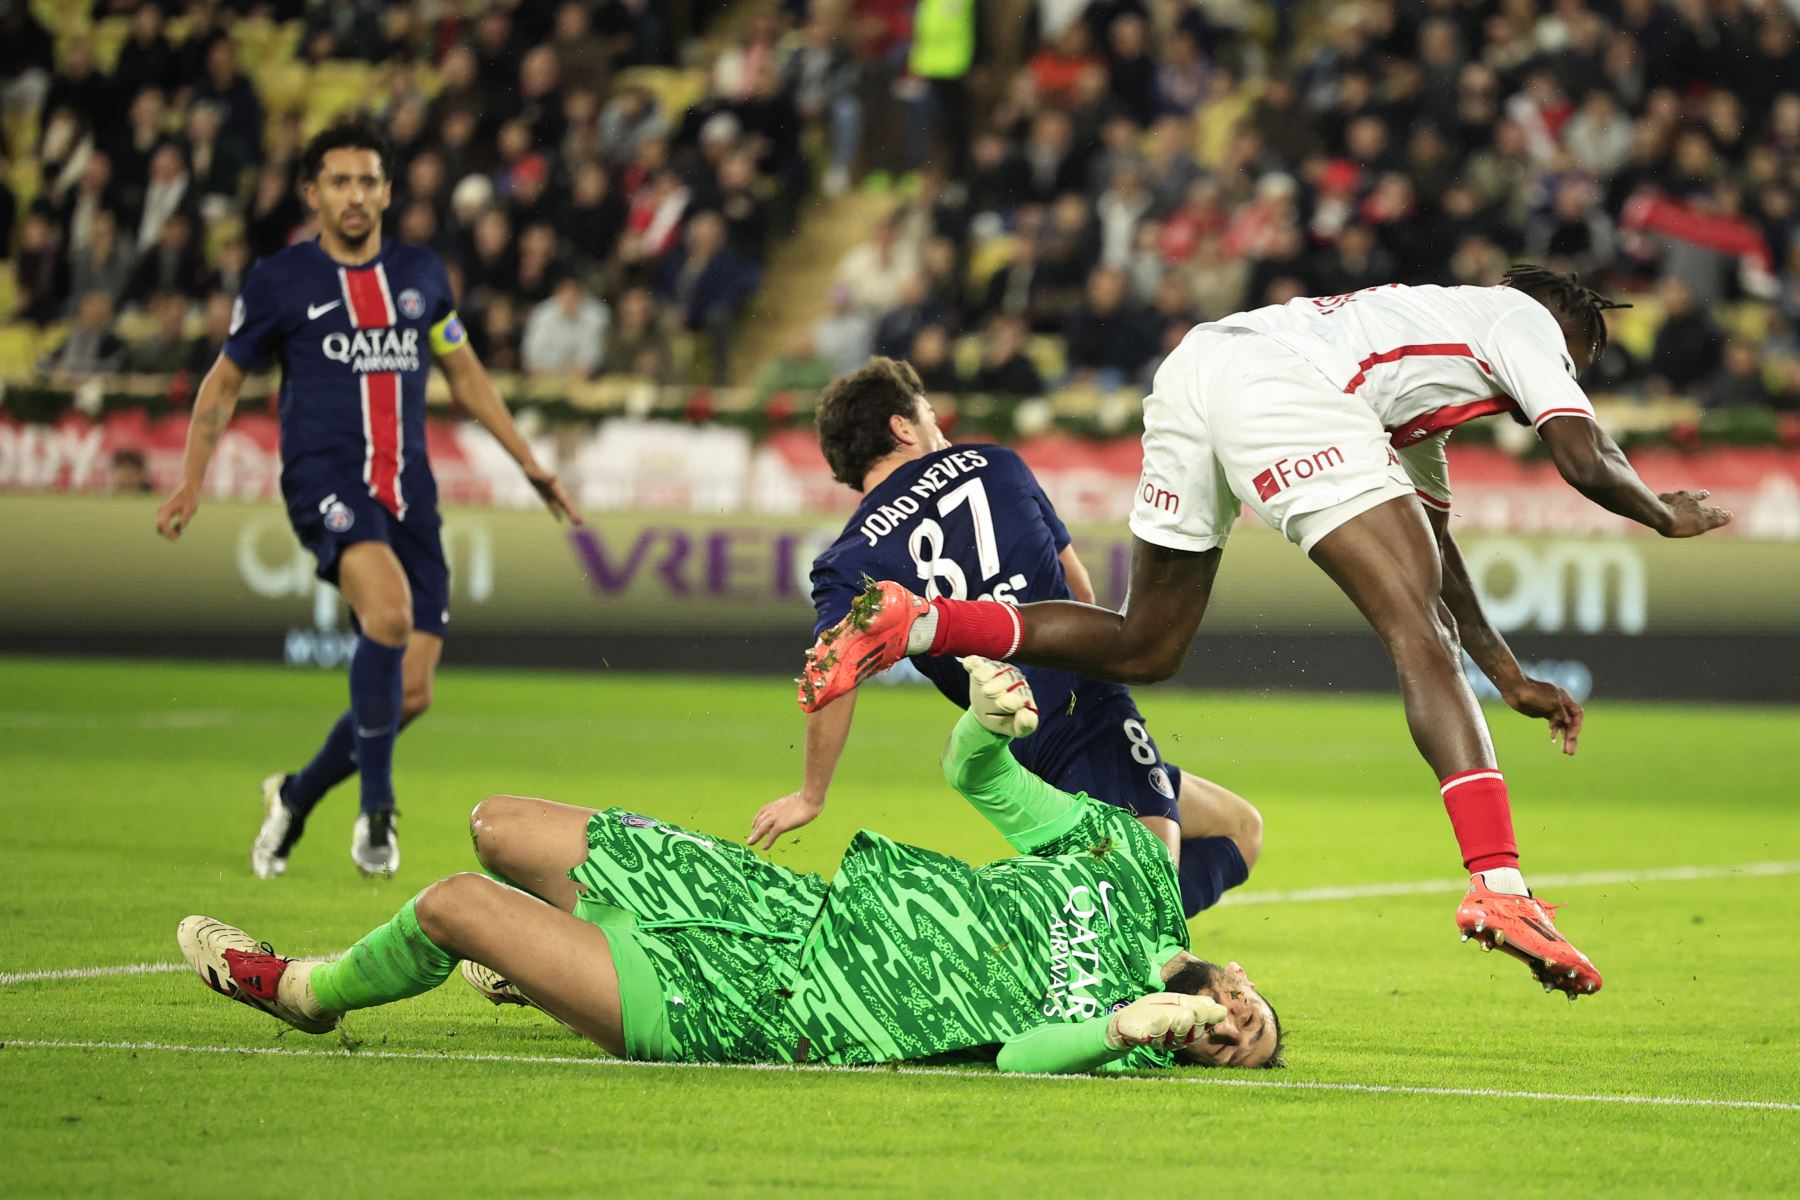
x=988, y=628
x=1481, y=815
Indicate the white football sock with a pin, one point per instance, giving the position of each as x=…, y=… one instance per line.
x=923, y=632
x=295, y=990
x=1506, y=880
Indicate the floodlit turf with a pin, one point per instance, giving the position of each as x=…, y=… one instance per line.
x=131, y=799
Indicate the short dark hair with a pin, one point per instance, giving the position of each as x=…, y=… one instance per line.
x=1568, y=298
x=854, y=411
x=1197, y=975
x=357, y=133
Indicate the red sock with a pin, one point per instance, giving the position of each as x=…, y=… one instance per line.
x=984, y=627
x=1482, y=818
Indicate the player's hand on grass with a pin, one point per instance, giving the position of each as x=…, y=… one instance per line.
x=1546, y=701
x=555, y=497
x=1168, y=1019
x=176, y=512
x=782, y=816
x=1691, y=517
x=1000, y=698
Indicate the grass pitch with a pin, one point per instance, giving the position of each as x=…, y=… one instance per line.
x=131, y=799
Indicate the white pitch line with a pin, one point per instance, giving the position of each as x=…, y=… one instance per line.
x=1369, y=891
x=1199, y=1080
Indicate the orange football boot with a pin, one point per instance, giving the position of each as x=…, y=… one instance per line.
x=1523, y=927
x=870, y=639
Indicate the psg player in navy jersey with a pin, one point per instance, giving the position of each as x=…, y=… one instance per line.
x=354, y=320
x=970, y=522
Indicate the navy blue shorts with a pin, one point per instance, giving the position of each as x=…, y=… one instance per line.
x=1104, y=749
x=350, y=515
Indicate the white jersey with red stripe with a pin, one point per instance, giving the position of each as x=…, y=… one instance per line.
x=1426, y=359
x=354, y=343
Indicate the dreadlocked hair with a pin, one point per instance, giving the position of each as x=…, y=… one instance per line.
x=1566, y=296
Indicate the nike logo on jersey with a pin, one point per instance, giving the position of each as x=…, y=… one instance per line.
x=315, y=311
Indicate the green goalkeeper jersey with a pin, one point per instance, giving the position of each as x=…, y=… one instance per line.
x=905, y=953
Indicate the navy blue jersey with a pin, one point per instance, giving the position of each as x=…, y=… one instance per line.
x=354, y=345
x=969, y=523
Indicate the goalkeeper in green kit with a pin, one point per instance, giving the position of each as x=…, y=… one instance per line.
x=666, y=945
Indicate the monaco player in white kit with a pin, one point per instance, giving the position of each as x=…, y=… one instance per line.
x=1328, y=416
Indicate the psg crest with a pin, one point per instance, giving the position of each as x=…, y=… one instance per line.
x=412, y=305
x=338, y=517
x=1159, y=779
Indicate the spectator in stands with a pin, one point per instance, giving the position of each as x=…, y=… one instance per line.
x=565, y=336
x=166, y=194
x=164, y=351
x=217, y=167
x=1738, y=381
x=79, y=87
x=273, y=214
x=40, y=269
x=1109, y=339
x=707, y=282
x=173, y=264
x=27, y=59
x=132, y=144
x=845, y=336
x=91, y=193
x=1575, y=233
x=215, y=319
x=538, y=266
x=594, y=216
x=104, y=263
x=1005, y=370
x=746, y=216
x=145, y=60
x=821, y=77
x=496, y=338
x=1687, y=346
x=637, y=346
x=241, y=112
x=913, y=310
x=875, y=270
x=91, y=348
x=929, y=355
x=343, y=29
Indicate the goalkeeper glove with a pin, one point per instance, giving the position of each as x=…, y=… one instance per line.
x=1000, y=698
x=1168, y=1019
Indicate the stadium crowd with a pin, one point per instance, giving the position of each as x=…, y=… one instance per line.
x=1072, y=199
x=1150, y=165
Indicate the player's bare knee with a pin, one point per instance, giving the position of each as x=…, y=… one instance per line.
x=1248, y=837
x=489, y=822
x=453, y=906
x=390, y=625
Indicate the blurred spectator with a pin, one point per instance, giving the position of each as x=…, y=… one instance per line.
x=173, y=264
x=27, y=58
x=913, y=310
x=581, y=56
x=78, y=86
x=929, y=355
x=1109, y=339
x=637, y=345
x=496, y=337
x=821, y=77
x=1738, y=382
x=104, y=263
x=217, y=167
x=343, y=29
x=273, y=214
x=130, y=475
x=1687, y=344
x=167, y=348
x=91, y=347
x=946, y=45
x=166, y=194
x=241, y=112
x=845, y=336
x=1575, y=233
x=215, y=318
x=1005, y=370
x=145, y=60
x=40, y=269
x=875, y=270
x=566, y=335
x=707, y=282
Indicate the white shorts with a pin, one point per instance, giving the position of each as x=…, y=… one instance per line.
x=1238, y=416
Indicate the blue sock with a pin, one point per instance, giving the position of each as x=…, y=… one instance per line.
x=334, y=763
x=1209, y=868
x=376, y=684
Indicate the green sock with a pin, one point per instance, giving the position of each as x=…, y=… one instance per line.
x=388, y=964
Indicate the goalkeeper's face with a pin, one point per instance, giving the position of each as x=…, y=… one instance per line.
x=1250, y=1034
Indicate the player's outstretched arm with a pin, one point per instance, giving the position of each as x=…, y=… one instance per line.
x=1171, y=1020
x=1523, y=694
x=826, y=733
x=1593, y=465
x=471, y=388
x=213, y=407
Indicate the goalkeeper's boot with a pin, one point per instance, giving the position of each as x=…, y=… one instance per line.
x=491, y=984
x=1524, y=927
x=281, y=828
x=870, y=639
x=374, y=846
x=236, y=965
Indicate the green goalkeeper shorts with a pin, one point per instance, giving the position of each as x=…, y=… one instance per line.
x=705, y=938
